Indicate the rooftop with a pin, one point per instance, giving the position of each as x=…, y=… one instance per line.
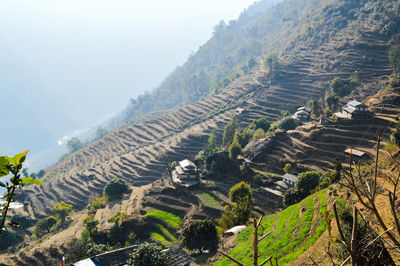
x=354, y=103
x=290, y=177
x=355, y=152
x=187, y=164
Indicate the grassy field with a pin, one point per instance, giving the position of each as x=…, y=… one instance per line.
x=293, y=231
x=163, y=236
x=209, y=200
x=167, y=217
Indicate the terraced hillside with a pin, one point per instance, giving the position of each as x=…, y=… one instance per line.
x=315, y=146
x=140, y=152
x=294, y=230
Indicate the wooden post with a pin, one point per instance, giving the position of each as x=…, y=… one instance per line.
x=353, y=246
x=255, y=244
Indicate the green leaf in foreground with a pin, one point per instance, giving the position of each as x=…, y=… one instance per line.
x=30, y=180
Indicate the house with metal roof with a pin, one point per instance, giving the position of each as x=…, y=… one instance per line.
x=289, y=179
x=354, y=110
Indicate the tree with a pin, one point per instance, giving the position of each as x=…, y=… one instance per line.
x=241, y=198
x=242, y=138
x=288, y=123
x=229, y=132
x=41, y=173
x=25, y=172
x=288, y=168
x=272, y=65
x=148, y=254
x=332, y=101
x=12, y=165
x=394, y=58
x=74, y=144
x=45, y=224
x=234, y=150
x=315, y=107
x=306, y=182
x=201, y=235
x=262, y=123
x=212, y=143
x=291, y=197
x=115, y=188
x=91, y=224
x=62, y=210
x=259, y=134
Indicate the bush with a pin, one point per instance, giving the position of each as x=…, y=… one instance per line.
x=242, y=138
x=306, y=182
x=97, y=202
x=291, y=197
x=45, y=224
x=234, y=150
x=201, y=235
x=259, y=134
x=62, y=210
x=91, y=224
x=9, y=238
x=272, y=65
x=116, y=188
x=288, y=168
x=148, y=254
x=22, y=220
x=262, y=123
x=119, y=218
x=288, y=123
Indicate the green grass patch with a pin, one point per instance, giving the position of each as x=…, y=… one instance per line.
x=209, y=201
x=290, y=235
x=167, y=217
x=159, y=238
x=167, y=233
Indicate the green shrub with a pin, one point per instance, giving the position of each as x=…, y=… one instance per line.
x=116, y=188
x=97, y=202
x=287, y=123
x=45, y=224
x=234, y=150
x=261, y=123
x=201, y=235
x=148, y=254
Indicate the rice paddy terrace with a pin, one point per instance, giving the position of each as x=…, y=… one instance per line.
x=139, y=153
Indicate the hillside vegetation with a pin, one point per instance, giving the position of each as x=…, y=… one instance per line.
x=294, y=230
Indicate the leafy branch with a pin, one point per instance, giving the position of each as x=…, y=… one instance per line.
x=12, y=165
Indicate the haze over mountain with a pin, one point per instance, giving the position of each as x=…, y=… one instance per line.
x=67, y=65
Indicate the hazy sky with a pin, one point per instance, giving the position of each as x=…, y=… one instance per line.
x=93, y=55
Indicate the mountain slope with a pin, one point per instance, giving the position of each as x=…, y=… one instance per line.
x=139, y=153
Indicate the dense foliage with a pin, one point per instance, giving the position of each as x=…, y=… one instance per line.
x=116, y=188
x=287, y=123
x=62, y=210
x=148, y=254
x=241, y=204
x=201, y=235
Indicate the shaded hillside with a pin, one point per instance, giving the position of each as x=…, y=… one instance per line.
x=140, y=152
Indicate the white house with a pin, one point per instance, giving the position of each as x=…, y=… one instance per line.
x=289, y=179
x=185, y=173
